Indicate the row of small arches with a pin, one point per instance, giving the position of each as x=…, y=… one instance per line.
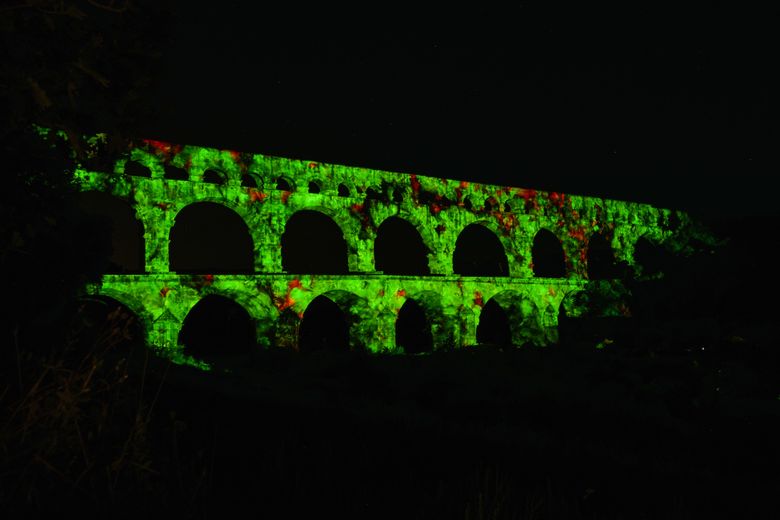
x=282, y=183
x=213, y=176
x=211, y=238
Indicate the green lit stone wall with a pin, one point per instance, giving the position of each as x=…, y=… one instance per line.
x=359, y=200
x=370, y=302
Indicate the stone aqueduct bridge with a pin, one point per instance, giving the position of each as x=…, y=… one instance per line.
x=161, y=180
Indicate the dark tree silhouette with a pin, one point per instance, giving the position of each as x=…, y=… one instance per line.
x=78, y=66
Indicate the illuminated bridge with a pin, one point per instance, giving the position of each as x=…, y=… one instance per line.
x=280, y=237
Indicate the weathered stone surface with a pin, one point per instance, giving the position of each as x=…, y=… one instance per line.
x=358, y=200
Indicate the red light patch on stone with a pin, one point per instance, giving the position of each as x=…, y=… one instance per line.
x=415, y=183
x=256, y=196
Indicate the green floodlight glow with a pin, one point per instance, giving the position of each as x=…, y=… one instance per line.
x=358, y=200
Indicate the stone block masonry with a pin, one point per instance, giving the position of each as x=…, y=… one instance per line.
x=159, y=180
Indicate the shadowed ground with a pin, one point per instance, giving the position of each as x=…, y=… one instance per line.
x=673, y=413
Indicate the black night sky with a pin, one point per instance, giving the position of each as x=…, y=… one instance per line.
x=669, y=106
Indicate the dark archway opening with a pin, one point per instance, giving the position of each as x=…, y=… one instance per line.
x=343, y=190
x=209, y=238
x=314, y=187
x=313, y=243
x=324, y=327
x=478, y=252
x=217, y=327
x=399, y=249
x=650, y=257
x=601, y=258
x=137, y=169
x=248, y=181
x=578, y=327
x=114, y=233
x=283, y=184
x=175, y=173
x=548, y=258
x=412, y=330
x=213, y=177
x=493, y=327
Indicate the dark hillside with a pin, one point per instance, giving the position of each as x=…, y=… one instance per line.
x=674, y=416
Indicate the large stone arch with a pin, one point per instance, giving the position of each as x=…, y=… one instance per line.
x=337, y=214
x=412, y=329
x=235, y=205
x=523, y=316
x=421, y=225
x=547, y=254
x=257, y=303
x=299, y=244
x=350, y=227
x=439, y=255
x=216, y=325
x=217, y=252
x=500, y=232
x=356, y=312
x=399, y=248
x=444, y=330
x=467, y=257
x=493, y=327
x=443, y=327
x=648, y=255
